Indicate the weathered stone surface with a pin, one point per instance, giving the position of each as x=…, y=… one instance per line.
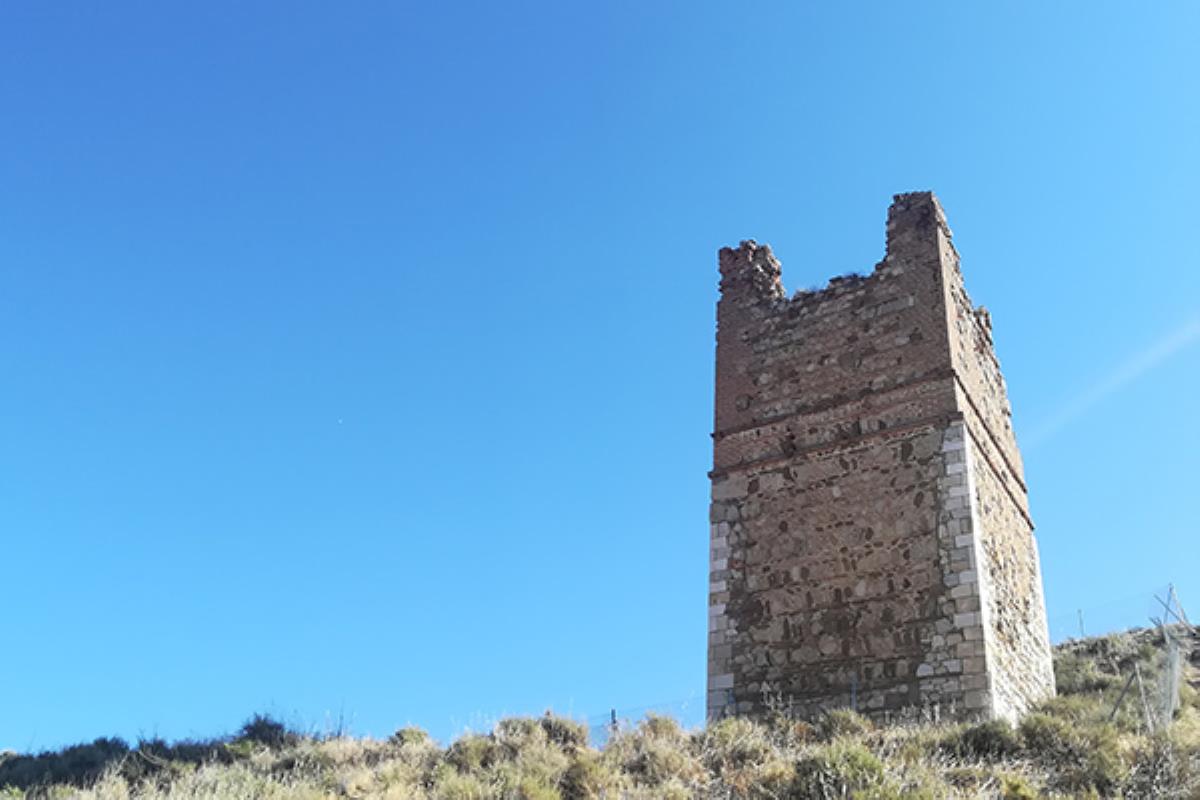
x=871, y=539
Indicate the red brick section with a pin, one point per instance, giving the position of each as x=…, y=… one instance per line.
x=871, y=543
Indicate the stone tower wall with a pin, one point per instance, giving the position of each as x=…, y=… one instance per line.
x=848, y=528
x=1018, y=643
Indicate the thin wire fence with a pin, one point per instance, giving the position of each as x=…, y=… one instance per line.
x=1119, y=613
x=1177, y=643
x=1150, y=663
x=688, y=712
x=1157, y=685
x=1150, y=688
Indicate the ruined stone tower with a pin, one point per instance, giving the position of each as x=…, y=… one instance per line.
x=871, y=542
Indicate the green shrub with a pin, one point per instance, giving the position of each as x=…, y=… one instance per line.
x=1014, y=787
x=1188, y=696
x=450, y=784
x=768, y=780
x=918, y=745
x=1079, y=709
x=519, y=733
x=532, y=788
x=786, y=731
x=733, y=743
x=1077, y=673
x=911, y=782
x=516, y=781
x=993, y=739
x=543, y=763
x=1102, y=767
x=841, y=769
x=474, y=752
x=655, y=761
x=240, y=750
x=673, y=789
x=589, y=777
x=1164, y=768
x=1046, y=736
x=842, y=722
x=410, y=736
x=660, y=727
x=1082, y=757
x=741, y=755
x=655, y=753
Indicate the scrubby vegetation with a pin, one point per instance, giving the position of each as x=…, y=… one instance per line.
x=1067, y=748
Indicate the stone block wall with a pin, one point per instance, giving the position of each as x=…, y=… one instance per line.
x=870, y=540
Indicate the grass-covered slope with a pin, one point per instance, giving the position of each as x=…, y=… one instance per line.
x=1068, y=748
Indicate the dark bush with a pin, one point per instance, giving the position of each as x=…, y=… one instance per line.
x=157, y=760
x=1045, y=736
x=267, y=731
x=565, y=733
x=78, y=765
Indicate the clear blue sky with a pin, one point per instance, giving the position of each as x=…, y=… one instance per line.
x=357, y=358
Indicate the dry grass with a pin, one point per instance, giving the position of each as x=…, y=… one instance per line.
x=1068, y=748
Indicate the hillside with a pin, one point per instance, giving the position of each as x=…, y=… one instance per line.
x=1068, y=748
